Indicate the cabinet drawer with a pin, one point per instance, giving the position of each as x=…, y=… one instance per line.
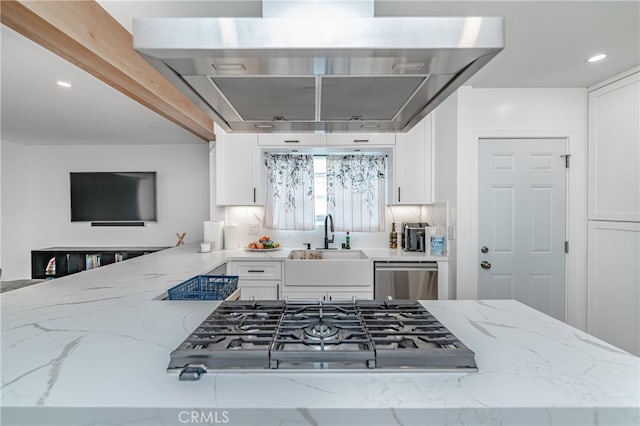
x=290, y=139
x=361, y=139
x=257, y=270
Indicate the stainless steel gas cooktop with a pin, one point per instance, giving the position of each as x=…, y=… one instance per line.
x=363, y=335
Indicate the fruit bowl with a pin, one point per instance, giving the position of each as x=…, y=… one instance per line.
x=263, y=244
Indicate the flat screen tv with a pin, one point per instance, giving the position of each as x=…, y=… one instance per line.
x=113, y=197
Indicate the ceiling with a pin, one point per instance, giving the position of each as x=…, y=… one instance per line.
x=547, y=43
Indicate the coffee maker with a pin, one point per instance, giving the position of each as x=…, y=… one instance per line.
x=413, y=236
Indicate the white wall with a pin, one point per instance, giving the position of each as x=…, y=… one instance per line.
x=36, y=207
x=560, y=113
x=216, y=213
x=0, y=207
x=16, y=207
x=445, y=123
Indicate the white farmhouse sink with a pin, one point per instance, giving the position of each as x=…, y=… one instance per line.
x=328, y=268
x=326, y=254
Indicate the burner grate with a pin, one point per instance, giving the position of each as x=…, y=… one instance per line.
x=317, y=335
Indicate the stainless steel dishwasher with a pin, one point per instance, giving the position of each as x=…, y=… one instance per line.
x=406, y=280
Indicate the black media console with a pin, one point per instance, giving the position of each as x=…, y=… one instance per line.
x=69, y=260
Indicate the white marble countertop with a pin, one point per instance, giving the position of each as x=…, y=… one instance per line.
x=99, y=339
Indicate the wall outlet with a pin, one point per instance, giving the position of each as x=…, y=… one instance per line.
x=451, y=232
x=253, y=228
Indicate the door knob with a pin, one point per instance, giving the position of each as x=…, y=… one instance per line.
x=485, y=265
x=484, y=249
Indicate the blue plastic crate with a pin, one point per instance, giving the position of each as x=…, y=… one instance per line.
x=205, y=287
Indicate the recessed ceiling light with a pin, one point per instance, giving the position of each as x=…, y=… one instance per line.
x=63, y=84
x=264, y=126
x=597, y=58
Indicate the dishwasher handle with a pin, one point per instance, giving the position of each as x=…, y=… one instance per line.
x=398, y=267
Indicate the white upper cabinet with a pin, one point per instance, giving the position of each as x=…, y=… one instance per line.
x=237, y=169
x=361, y=139
x=291, y=139
x=614, y=151
x=413, y=165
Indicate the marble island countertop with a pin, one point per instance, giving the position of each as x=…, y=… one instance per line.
x=98, y=340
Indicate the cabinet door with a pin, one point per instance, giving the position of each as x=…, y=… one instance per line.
x=237, y=169
x=613, y=283
x=259, y=290
x=362, y=139
x=614, y=151
x=291, y=139
x=413, y=165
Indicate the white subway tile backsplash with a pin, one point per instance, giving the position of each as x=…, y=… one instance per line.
x=250, y=218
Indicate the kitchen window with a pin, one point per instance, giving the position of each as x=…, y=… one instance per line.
x=356, y=186
x=320, y=187
x=290, y=192
x=302, y=189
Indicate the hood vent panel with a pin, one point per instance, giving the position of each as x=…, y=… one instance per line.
x=263, y=98
x=325, y=74
x=346, y=97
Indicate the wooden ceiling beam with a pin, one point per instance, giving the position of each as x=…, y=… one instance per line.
x=83, y=33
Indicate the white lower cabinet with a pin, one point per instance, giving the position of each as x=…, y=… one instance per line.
x=613, y=283
x=260, y=280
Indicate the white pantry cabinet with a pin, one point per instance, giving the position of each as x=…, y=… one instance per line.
x=361, y=139
x=614, y=150
x=613, y=283
x=237, y=169
x=291, y=139
x=258, y=279
x=413, y=165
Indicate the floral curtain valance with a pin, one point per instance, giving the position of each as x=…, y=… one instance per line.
x=290, y=203
x=356, y=192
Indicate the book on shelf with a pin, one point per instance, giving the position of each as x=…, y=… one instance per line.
x=72, y=263
x=92, y=261
x=119, y=257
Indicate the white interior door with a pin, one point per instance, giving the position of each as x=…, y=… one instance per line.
x=521, y=222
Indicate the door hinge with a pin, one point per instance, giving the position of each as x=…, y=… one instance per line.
x=566, y=246
x=566, y=159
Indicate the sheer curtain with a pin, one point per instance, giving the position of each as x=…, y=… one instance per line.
x=290, y=202
x=356, y=192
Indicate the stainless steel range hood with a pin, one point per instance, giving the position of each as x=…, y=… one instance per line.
x=295, y=74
